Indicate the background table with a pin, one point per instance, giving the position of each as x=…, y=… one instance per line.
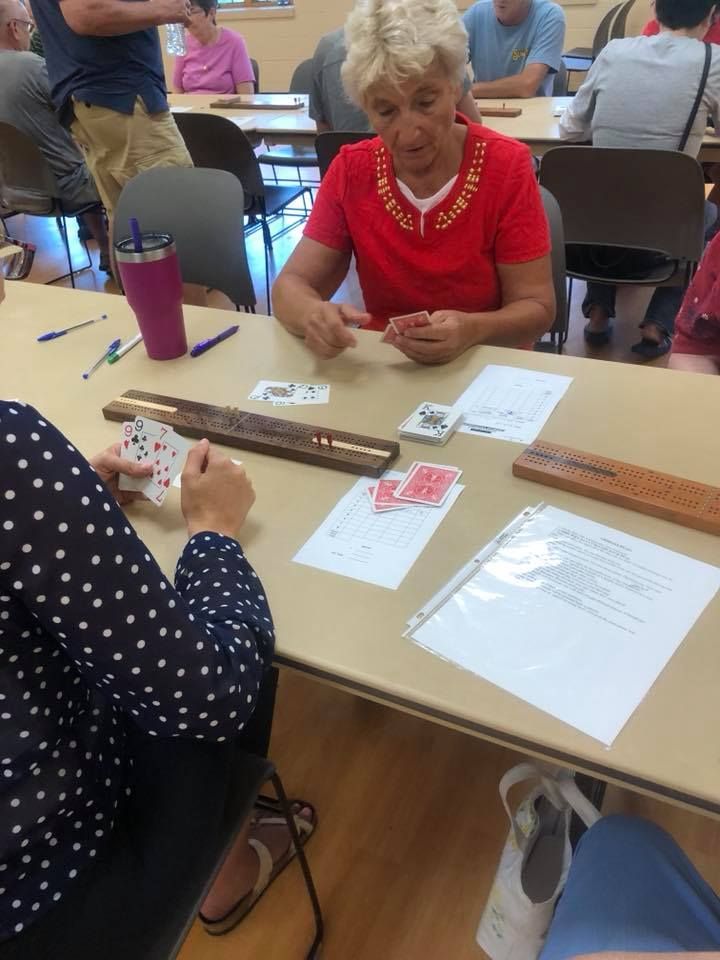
x=349, y=633
x=537, y=125
x=276, y=126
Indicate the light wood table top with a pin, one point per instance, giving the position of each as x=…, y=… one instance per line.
x=349, y=633
x=537, y=125
x=280, y=126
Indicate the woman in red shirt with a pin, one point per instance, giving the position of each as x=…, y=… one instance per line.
x=441, y=214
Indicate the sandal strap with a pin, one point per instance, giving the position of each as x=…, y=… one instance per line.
x=303, y=826
x=266, y=866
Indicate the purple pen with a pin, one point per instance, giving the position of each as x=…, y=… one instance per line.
x=204, y=345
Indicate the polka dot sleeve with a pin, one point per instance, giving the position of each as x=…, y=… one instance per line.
x=183, y=661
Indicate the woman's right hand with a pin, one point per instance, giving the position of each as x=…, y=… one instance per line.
x=326, y=328
x=216, y=494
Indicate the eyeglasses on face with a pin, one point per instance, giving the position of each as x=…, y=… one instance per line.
x=26, y=23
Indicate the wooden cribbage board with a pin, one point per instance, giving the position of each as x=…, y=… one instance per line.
x=686, y=502
x=246, y=101
x=354, y=453
x=500, y=111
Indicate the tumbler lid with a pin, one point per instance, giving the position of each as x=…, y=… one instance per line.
x=156, y=246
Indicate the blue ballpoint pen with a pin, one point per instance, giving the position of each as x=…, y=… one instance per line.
x=54, y=334
x=204, y=345
x=101, y=359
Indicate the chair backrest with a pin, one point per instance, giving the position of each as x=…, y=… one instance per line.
x=256, y=71
x=560, y=81
x=219, y=144
x=619, y=24
x=301, y=81
x=204, y=212
x=602, y=34
x=27, y=184
x=649, y=199
x=557, y=241
x=327, y=146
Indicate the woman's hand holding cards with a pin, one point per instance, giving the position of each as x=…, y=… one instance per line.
x=326, y=328
x=448, y=334
x=108, y=465
x=216, y=493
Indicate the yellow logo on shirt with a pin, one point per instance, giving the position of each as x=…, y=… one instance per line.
x=520, y=54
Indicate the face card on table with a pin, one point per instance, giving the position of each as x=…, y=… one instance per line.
x=430, y=421
x=281, y=393
x=428, y=483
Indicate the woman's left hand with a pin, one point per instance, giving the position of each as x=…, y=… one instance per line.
x=448, y=335
x=109, y=465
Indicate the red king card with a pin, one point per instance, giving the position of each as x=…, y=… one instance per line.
x=428, y=483
x=407, y=320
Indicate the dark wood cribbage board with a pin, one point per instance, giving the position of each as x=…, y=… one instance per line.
x=304, y=442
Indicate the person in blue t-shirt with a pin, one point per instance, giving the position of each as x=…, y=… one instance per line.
x=515, y=46
x=108, y=84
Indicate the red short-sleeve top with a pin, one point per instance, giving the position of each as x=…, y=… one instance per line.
x=493, y=215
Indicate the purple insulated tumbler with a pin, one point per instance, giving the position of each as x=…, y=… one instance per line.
x=153, y=287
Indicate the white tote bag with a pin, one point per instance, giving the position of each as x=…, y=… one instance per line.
x=535, y=861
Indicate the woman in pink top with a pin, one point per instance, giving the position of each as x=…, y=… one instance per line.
x=216, y=61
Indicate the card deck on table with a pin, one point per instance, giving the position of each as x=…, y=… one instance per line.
x=407, y=320
x=283, y=393
x=431, y=423
x=428, y=483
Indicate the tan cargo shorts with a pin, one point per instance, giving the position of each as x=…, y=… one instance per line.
x=118, y=146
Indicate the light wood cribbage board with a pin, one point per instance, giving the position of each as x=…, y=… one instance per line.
x=250, y=101
x=350, y=452
x=500, y=111
x=686, y=502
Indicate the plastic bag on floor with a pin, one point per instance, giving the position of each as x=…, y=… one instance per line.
x=535, y=861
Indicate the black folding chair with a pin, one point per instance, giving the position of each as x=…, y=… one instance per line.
x=217, y=142
x=28, y=185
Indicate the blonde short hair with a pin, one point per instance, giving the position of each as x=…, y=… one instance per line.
x=391, y=41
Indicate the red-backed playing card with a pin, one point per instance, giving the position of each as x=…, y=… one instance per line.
x=428, y=483
x=384, y=506
x=407, y=320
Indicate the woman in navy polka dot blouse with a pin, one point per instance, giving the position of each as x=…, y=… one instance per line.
x=92, y=633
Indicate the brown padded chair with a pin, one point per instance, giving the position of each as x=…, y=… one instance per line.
x=647, y=200
x=573, y=58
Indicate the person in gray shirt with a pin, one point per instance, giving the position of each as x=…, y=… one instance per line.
x=639, y=94
x=330, y=106
x=25, y=104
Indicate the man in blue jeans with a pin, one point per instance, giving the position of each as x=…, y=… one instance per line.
x=632, y=890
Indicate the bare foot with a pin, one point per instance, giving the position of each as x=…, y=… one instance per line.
x=241, y=868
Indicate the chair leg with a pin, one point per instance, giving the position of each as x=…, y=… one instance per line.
x=304, y=866
x=66, y=241
x=267, y=268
